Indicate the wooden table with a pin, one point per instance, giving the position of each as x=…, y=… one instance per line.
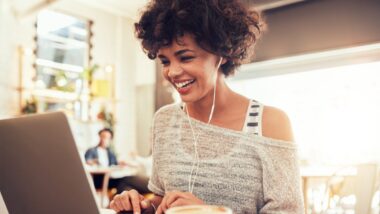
x=108, y=173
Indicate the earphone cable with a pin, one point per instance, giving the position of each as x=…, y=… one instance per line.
x=196, y=154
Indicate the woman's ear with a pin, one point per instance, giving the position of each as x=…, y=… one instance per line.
x=224, y=60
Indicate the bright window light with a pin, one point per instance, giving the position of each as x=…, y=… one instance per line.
x=335, y=112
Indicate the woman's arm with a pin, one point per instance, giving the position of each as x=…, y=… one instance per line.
x=281, y=178
x=276, y=124
x=177, y=199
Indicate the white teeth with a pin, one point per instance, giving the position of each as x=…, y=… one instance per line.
x=182, y=84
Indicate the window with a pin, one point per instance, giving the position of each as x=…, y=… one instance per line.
x=63, y=53
x=335, y=111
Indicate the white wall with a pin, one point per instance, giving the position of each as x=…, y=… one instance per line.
x=125, y=88
x=145, y=86
x=13, y=33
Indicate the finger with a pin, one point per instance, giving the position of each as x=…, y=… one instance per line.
x=165, y=206
x=173, y=197
x=118, y=204
x=145, y=204
x=163, y=202
x=125, y=201
x=168, y=196
x=135, y=200
x=179, y=202
x=113, y=206
x=159, y=210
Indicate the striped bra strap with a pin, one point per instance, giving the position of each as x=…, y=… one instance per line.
x=253, y=118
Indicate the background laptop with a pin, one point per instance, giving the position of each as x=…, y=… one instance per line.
x=40, y=168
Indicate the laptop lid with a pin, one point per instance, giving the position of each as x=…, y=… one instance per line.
x=41, y=169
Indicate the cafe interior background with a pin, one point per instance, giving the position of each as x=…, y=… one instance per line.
x=319, y=61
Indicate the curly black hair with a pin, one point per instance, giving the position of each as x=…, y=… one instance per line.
x=223, y=27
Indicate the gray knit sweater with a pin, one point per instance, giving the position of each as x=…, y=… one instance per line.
x=248, y=173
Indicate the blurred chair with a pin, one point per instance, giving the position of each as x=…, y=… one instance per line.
x=345, y=194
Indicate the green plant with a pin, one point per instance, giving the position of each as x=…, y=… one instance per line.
x=63, y=83
x=87, y=75
x=89, y=72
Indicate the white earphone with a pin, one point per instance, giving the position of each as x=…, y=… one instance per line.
x=195, y=138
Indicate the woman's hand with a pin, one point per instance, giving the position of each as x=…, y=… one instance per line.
x=175, y=199
x=129, y=201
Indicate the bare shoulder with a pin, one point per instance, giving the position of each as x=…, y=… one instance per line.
x=276, y=124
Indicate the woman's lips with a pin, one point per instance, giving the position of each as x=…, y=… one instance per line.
x=185, y=88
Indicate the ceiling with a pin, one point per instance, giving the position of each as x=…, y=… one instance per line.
x=128, y=8
x=23, y=5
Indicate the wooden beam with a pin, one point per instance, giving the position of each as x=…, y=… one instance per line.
x=33, y=9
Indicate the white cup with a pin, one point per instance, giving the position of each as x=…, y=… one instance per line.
x=199, y=209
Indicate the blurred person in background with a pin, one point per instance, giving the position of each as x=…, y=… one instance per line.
x=102, y=156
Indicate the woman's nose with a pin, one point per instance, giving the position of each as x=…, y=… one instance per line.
x=175, y=70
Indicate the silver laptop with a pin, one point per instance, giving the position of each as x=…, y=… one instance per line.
x=40, y=168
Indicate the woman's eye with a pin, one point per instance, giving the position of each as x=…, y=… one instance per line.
x=187, y=58
x=164, y=62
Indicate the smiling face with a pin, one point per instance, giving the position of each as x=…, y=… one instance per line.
x=189, y=68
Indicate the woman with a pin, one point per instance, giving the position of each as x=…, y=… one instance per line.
x=218, y=147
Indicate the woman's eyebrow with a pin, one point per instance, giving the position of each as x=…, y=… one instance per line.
x=182, y=52
x=179, y=52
